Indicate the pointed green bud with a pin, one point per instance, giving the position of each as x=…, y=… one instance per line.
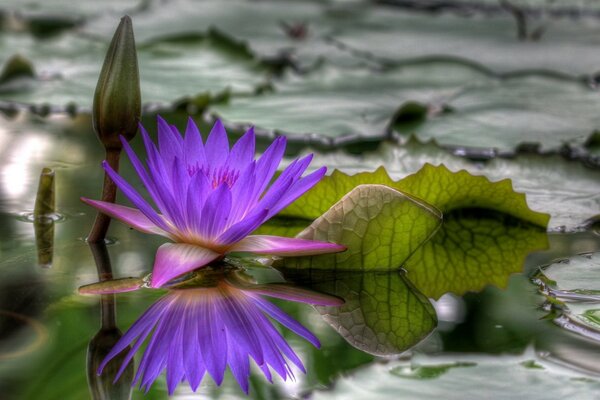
x=117, y=100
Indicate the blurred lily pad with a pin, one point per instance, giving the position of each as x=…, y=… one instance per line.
x=547, y=112
x=393, y=35
x=169, y=70
x=339, y=102
x=463, y=378
x=571, y=286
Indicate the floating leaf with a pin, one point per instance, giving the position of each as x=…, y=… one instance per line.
x=539, y=111
x=340, y=103
x=473, y=250
x=458, y=377
x=550, y=181
x=573, y=288
x=383, y=314
x=380, y=227
x=436, y=185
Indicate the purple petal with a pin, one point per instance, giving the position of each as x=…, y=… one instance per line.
x=148, y=182
x=175, y=259
x=140, y=330
x=292, y=293
x=215, y=213
x=193, y=146
x=192, y=356
x=238, y=363
x=267, y=165
x=217, y=146
x=284, y=246
x=241, y=229
x=175, y=368
x=241, y=327
x=198, y=191
x=130, y=216
x=135, y=197
x=298, y=189
x=242, y=152
x=277, y=314
x=215, y=349
x=169, y=142
x=163, y=177
x=239, y=192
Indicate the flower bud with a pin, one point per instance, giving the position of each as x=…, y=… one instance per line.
x=102, y=386
x=117, y=100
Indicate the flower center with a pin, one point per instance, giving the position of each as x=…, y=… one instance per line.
x=216, y=176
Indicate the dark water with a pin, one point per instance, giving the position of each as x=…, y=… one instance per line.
x=481, y=339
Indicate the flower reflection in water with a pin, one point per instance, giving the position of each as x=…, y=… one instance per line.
x=195, y=331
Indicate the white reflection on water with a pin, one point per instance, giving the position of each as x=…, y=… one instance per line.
x=23, y=152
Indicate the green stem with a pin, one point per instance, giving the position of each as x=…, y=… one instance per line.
x=109, y=194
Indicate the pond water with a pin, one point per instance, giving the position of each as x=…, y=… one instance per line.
x=481, y=339
x=494, y=305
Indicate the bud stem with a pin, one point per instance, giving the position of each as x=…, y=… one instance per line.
x=104, y=268
x=109, y=194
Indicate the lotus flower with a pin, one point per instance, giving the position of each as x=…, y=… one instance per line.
x=210, y=198
x=194, y=331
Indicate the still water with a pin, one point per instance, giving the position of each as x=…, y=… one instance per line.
x=384, y=342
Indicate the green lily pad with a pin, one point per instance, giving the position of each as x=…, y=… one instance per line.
x=436, y=185
x=573, y=293
x=294, y=30
x=466, y=377
x=471, y=251
x=169, y=70
x=380, y=227
x=580, y=272
x=67, y=8
x=394, y=35
x=382, y=315
x=544, y=111
x=338, y=102
x=566, y=190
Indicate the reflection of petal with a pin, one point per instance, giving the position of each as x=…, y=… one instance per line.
x=287, y=292
x=130, y=216
x=276, y=245
x=174, y=259
x=194, y=331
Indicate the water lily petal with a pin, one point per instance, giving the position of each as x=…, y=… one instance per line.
x=296, y=190
x=241, y=229
x=135, y=197
x=292, y=293
x=175, y=259
x=280, y=316
x=284, y=246
x=217, y=146
x=242, y=152
x=215, y=213
x=128, y=215
x=194, y=148
x=266, y=166
x=169, y=142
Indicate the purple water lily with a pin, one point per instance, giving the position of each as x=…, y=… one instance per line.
x=196, y=331
x=210, y=198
